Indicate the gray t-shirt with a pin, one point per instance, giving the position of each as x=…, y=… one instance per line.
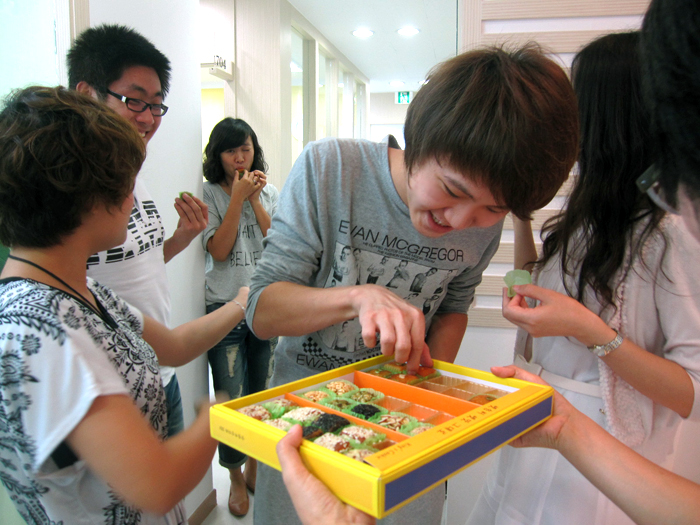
x=224, y=278
x=341, y=222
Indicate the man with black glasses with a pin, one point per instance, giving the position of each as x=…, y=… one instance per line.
x=129, y=74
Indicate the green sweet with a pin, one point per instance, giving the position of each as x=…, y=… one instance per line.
x=187, y=192
x=514, y=277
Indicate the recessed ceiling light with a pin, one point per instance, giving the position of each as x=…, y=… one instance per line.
x=396, y=83
x=408, y=31
x=363, y=32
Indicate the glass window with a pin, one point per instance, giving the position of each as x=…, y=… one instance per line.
x=346, y=97
x=322, y=114
x=297, y=67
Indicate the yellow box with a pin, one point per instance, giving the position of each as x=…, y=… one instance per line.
x=464, y=432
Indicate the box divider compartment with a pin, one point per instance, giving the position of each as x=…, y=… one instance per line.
x=426, y=398
x=390, y=434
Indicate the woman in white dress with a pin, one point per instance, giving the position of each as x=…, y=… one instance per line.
x=616, y=325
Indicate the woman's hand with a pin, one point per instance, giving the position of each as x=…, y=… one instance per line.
x=261, y=181
x=242, y=187
x=556, y=314
x=314, y=503
x=547, y=434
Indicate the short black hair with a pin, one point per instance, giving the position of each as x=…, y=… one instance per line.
x=61, y=153
x=100, y=55
x=230, y=133
x=505, y=118
x=671, y=58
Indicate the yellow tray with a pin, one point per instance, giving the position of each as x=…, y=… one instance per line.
x=396, y=475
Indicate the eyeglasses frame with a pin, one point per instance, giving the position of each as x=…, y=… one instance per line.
x=146, y=105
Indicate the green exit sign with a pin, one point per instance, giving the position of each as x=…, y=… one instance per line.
x=403, y=97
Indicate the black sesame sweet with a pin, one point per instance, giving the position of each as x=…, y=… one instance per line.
x=365, y=411
x=312, y=432
x=331, y=422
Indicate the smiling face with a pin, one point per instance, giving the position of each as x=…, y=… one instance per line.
x=441, y=200
x=142, y=83
x=240, y=158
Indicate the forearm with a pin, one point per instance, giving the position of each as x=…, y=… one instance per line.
x=663, y=381
x=445, y=336
x=223, y=240
x=261, y=216
x=181, y=345
x=116, y=441
x=525, y=250
x=290, y=309
x=171, y=247
x=643, y=490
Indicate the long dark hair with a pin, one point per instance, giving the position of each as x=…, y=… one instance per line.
x=604, y=207
x=228, y=134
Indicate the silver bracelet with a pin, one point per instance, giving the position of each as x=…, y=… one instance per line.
x=239, y=304
x=603, y=350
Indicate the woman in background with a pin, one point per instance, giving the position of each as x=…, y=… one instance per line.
x=616, y=325
x=241, y=204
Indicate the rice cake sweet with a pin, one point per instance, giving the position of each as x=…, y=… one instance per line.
x=333, y=442
x=359, y=434
x=256, y=412
x=380, y=372
x=331, y=422
x=279, y=423
x=339, y=403
x=364, y=395
x=304, y=414
x=315, y=395
x=340, y=387
x=393, y=421
x=395, y=367
x=408, y=379
x=312, y=432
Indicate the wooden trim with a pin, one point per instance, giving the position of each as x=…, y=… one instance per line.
x=538, y=219
x=488, y=318
x=79, y=17
x=469, y=24
x=491, y=285
x=525, y=9
x=551, y=41
x=204, y=509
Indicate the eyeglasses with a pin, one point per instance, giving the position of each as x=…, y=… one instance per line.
x=139, y=106
x=648, y=182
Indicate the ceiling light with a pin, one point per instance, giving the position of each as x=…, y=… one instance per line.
x=396, y=83
x=408, y=31
x=363, y=32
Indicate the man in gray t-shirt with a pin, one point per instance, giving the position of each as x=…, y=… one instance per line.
x=358, y=222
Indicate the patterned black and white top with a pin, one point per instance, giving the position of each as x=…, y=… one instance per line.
x=56, y=357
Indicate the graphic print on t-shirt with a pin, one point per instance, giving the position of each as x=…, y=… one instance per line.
x=146, y=232
x=421, y=285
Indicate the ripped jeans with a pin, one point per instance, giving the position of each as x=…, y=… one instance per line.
x=241, y=364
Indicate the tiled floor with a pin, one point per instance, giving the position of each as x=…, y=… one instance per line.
x=220, y=515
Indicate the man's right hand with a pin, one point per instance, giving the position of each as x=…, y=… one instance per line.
x=401, y=325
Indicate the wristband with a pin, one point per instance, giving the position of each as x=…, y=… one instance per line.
x=603, y=350
x=239, y=304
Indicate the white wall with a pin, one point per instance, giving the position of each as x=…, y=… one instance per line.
x=173, y=163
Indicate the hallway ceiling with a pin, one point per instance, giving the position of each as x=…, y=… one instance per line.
x=387, y=56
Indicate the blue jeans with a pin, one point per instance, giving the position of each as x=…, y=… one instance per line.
x=241, y=364
x=173, y=400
